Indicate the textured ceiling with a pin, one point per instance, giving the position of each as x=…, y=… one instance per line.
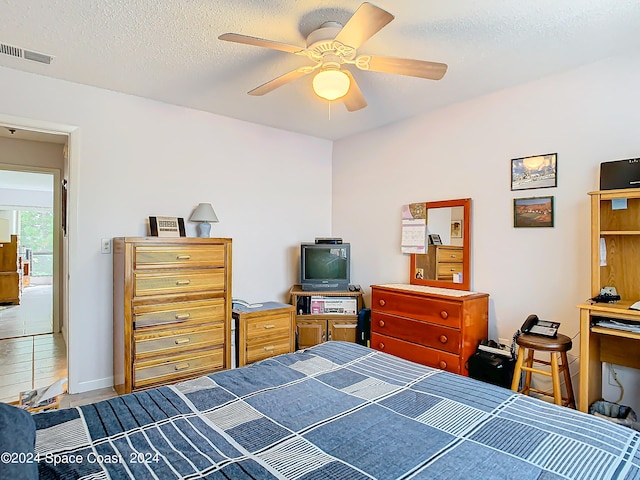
x=169, y=51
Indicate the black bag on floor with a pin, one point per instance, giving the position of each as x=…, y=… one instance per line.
x=492, y=368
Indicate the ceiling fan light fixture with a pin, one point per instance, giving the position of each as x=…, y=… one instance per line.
x=331, y=84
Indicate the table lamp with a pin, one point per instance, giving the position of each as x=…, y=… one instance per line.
x=204, y=214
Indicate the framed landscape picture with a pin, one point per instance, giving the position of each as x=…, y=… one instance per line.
x=539, y=171
x=533, y=212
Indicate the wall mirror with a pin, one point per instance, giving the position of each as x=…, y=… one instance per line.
x=447, y=261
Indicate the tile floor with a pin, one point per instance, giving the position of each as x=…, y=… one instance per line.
x=30, y=355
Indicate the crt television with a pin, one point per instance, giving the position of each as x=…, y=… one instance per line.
x=325, y=267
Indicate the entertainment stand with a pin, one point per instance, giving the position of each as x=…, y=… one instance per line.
x=313, y=326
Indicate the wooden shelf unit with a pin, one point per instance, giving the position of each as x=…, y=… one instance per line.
x=618, y=226
x=312, y=329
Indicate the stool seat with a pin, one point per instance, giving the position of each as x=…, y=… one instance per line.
x=561, y=343
x=559, y=346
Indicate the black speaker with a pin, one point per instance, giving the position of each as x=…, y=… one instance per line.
x=303, y=306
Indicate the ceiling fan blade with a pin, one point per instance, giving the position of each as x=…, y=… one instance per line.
x=279, y=81
x=259, y=42
x=364, y=24
x=405, y=66
x=353, y=100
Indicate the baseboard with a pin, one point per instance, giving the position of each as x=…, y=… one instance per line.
x=93, y=385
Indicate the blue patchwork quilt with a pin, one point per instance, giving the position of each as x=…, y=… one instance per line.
x=335, y=411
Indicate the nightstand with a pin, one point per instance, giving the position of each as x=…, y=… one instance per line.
x=263, y=331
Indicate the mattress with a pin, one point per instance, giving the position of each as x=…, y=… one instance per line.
x=335, y=411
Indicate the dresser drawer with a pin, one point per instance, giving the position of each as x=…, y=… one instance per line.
x=182, y=256
x=273, y=326
x=161, y=282
x=174, y=341
x=431, y=310
x=449, y=255
x=431, y=335
x=178, y=314
x=416, y=353
x=267, y=347
x=446, y=270
x=147, y=373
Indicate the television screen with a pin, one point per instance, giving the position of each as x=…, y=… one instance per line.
x=325, y=266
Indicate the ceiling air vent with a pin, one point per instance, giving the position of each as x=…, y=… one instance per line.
x=26, y=54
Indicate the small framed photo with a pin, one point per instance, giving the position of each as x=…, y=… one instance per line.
x=434, y=239
x=539, y=171
x=166, y=227
x=533, y=212
x=456, y=229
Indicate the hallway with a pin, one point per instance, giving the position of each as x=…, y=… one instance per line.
x=30, y=355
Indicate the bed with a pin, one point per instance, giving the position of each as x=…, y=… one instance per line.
x=335, y=411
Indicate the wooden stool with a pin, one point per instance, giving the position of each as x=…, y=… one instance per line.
x=529, y=344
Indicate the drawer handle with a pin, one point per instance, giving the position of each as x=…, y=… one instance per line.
x=443, y=339
x=381, y=346
x=268, y=348
x=183, y=257
x=452, y=269
x=442, y=364
x=269, y=325
x=183, y=282
x=181, y=341
x=452, y=256
x=181, y=366
x=444, y=314
x=382, y=302
x=183, y=316
x=381, y=323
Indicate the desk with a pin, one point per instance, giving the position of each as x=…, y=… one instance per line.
x=599, y=344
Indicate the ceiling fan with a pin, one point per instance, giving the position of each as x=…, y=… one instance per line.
x=331, y=47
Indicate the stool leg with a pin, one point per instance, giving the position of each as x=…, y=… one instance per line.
x=571, y=402
x=555, y=376
x=527, y=375
x=517, y=370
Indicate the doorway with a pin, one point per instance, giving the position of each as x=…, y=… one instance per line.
x=33, y=349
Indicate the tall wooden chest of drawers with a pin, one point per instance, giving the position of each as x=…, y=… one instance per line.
x=437, y=327
x=171, y=309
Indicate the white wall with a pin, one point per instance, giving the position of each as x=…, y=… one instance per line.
x=131, y=158
x=588, y=115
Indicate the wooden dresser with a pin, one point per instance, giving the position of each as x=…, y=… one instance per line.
x=9, y=273
x=437, y=327
x=264, y=331
x=443, y=261
x=171, y=309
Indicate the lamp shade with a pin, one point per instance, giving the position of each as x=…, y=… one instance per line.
x=204, y=213
x=331, y=84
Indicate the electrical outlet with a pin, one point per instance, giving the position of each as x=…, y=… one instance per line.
x=105, y=245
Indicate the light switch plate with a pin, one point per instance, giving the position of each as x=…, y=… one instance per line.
x=105, y=245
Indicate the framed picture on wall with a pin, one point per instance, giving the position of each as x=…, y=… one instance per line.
x=539, y=171
x=456, y=229
x=533, y=212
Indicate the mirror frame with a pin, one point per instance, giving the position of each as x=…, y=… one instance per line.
x=466, y=248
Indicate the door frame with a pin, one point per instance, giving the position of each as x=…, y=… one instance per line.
x=57, y=234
